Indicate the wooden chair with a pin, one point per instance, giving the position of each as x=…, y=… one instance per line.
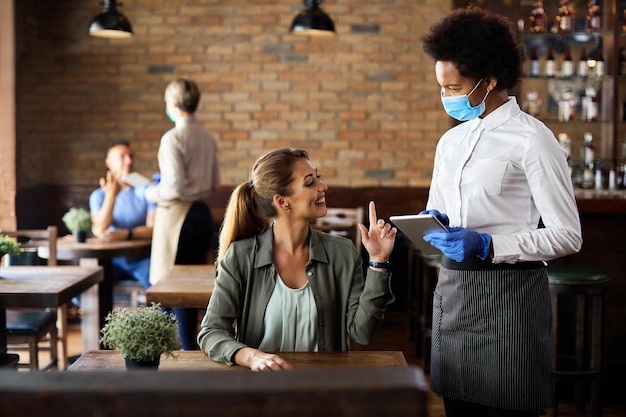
x=26, y=329
x=343, y=222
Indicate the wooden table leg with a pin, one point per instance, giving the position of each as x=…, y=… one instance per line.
x=90, y=319
x=105, y=293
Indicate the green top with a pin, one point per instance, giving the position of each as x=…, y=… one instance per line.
x=246, y=279
x=290, y=320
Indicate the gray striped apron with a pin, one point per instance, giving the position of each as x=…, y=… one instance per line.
x=491, y=337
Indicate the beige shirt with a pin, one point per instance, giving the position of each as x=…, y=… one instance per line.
x=187, y=162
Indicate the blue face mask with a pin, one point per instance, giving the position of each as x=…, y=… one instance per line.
x=170, y=115
x=460, y=107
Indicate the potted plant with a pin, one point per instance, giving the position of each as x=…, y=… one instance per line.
x=78, y=221
x=8, y=246
x=142, y=335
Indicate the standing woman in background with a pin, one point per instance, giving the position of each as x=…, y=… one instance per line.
x=189, y=171
x=495, y=177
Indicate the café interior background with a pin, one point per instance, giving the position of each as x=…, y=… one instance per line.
x=364, y=103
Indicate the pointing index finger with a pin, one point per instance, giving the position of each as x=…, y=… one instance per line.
x=372, y=214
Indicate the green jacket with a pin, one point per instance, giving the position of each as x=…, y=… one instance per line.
x=346, y=305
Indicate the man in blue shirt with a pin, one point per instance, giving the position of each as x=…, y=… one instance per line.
x=121, y=212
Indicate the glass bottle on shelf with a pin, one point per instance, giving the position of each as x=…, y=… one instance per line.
x=593, y=21
x=567, y=67
x=583, y=65
x=537, y=21
x=590, y=105
x=588, y=157
x=600, y=66
x=533, y=103
x=566, y=143
x=550, y=68
x=567, y=105
x=533, y=70
x=564, y=18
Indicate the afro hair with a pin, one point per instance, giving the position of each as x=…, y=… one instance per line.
x=479, y=44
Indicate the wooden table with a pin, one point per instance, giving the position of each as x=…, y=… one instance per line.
x=188, y=286
x=96, y=252
x=195, y=360
x=50, y=287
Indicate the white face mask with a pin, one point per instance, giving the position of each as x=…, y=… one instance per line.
x=460, y=108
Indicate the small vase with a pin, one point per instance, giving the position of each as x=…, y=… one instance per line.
x=81, y=236
x=132, y=364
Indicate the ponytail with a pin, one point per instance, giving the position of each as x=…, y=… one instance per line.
x=241, y=219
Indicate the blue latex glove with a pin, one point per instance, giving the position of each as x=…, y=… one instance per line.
x=442, y=217
x=156, y=177
x=460, y=244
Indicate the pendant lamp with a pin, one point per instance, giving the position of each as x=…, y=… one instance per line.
x=313, y=21
x=110, y=23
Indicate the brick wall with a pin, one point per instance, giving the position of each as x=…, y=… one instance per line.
x=365, y=104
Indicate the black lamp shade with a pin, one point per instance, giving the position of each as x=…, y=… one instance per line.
x=110, y=23
x=313, y=21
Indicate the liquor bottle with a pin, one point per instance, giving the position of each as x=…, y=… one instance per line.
x=567, y=68
x=600, y=67
x=533, y=71
x=537, y=21
x=594, y=17
x=564, y=18
x=583, y=65
x=590, y=104
x=588, y=157
x=622, y=61
x=566, y=143
x=550, y=68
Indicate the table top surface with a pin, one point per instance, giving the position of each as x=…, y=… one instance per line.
x=68, y=248
x=188, y=286
x=45, y=286
x=109, y=360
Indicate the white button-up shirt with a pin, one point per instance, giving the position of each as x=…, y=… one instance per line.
x=500, y=175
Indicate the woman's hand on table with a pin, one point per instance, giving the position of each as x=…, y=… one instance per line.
x=258, y=360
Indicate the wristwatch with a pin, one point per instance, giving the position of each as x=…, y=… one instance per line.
x=379, y=264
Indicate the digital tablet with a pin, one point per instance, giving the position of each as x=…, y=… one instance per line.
x=415, y=226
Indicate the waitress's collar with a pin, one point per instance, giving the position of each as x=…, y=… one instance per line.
x=502, y=114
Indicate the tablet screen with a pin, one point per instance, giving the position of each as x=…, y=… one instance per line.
x=415, y=226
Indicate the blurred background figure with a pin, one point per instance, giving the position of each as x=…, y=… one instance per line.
x=120, y=211
x=188, y=168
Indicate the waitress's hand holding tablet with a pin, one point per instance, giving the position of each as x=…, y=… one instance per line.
x=416, y=226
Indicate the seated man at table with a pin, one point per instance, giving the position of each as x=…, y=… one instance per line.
x=121, y=212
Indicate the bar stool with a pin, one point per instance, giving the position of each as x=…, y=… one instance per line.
x=584, y=285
